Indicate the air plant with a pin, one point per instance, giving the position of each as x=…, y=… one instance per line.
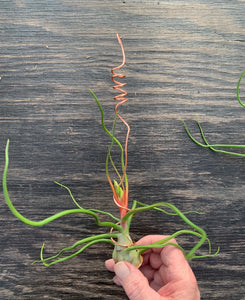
x=214, y=147
x=118, y=227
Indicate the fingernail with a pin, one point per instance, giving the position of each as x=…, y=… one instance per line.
x=121, y=270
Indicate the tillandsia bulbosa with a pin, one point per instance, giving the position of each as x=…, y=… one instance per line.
x=218, y=147
x=118, y=228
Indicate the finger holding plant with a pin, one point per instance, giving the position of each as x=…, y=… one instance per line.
x=118, y=233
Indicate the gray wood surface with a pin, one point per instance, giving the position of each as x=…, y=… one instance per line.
x=184, y=58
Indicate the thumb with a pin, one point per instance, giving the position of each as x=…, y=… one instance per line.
x=134, y=282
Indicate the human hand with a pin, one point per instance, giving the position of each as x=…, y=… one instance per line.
x=165, y=274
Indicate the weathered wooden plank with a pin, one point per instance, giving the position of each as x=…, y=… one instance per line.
x=183, y=58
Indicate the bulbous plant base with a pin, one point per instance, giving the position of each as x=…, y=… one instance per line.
x=120, y=252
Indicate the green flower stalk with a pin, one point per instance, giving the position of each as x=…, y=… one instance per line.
x=118, y=234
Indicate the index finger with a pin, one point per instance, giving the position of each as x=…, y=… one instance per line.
x=175, y=267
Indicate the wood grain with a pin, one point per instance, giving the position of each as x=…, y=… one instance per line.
x=184, y=58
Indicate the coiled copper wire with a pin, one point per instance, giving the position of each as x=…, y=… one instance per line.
x=121, y=98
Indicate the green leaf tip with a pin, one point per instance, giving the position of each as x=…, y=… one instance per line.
x=118, y=190
x=214, y=147
x=237, y=89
